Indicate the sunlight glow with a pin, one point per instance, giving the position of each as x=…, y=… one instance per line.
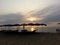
x=32, y=29
x=32, y=19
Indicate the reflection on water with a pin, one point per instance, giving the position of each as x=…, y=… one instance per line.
x=31, y=28
x=40, y=28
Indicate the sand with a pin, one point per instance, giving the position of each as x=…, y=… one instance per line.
x=29, y=39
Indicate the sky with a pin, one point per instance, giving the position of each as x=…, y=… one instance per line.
x=21, y=11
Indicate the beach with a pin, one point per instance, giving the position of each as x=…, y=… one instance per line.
x=29, y=22
x=29, y=39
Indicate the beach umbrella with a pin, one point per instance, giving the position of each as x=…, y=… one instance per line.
x=7, y=25
x=10, y=25
x=58, y=23
x=31, y=24
x=37, y=24
x=16, y=25
x=23, y=25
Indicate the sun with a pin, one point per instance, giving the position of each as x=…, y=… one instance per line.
x=32, y=19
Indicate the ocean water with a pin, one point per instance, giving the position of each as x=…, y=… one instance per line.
x=43, y=29
x=30, y=28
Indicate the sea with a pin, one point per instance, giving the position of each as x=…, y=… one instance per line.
x=51, y=29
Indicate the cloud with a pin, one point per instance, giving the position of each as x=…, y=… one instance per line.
x=11, y=18
x=50, y=14
x=55, y=17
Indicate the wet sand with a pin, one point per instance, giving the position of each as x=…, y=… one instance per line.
x=29, y=39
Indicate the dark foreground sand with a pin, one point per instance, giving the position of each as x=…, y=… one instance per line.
x=30, y=39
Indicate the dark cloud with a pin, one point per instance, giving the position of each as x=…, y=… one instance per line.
x=50, y=14
x=11, y=18
x=54, y=17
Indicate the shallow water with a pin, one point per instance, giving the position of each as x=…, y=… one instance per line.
x=30, y=28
